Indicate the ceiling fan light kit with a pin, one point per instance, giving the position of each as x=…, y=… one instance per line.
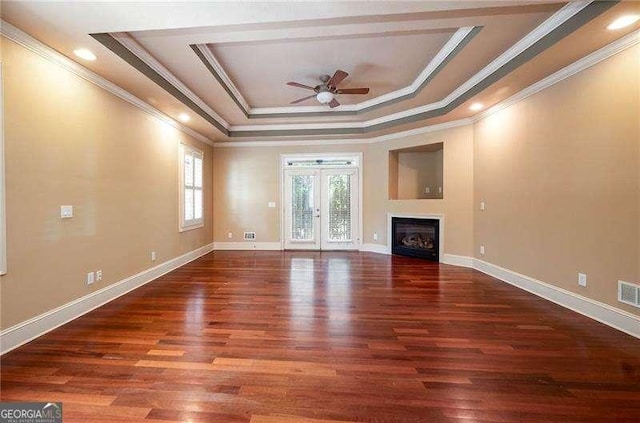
x=325, y=97
x=328, y=89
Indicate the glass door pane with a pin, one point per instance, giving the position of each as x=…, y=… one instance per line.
x=302, y=205
x=339, y=209
x=339, y=204
x=302, y=209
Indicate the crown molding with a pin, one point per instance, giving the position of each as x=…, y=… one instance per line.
x=579, y=65
x=225, y=80
x=571, y=9
x=349, y=141
x=576, y=67
x=549, y=25
x=554, y=21
x=566, y=20
x=27, y=41
x=342, y=125
x=132, y=45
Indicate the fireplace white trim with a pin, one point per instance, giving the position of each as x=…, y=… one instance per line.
x=438, y=217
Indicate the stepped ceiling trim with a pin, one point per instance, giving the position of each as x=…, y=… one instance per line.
x=569, y=18
x=456, y=43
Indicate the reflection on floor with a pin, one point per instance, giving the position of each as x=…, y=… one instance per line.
x=307, y=336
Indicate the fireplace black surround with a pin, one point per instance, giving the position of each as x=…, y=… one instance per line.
x=415, y=237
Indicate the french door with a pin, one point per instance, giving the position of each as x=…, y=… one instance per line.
x=321, y=209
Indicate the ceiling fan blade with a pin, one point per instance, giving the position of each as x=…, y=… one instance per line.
x=297, y=84
x=334, y=103
x=353, y=91
x=302, y=99
x=337, y=78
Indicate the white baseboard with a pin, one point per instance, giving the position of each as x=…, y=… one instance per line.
x=603, y=313
x=375, y=248
x=596, y=310
x=456, y=260
x=28, y=330
x=247, y=246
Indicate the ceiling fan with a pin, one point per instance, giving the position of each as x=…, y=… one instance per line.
x=326, y=92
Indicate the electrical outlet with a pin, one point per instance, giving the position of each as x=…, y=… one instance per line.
x=582, y=279
x=439, y=190
x=66, y=212
x=90, y=278
x=272, y=204
x=427, y=190
x=98, y=275
x=375, y=236
x=229, y=235
x=153, y=256
x=482, y=249
x=482, y=205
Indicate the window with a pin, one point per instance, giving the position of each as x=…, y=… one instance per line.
x=191, y=197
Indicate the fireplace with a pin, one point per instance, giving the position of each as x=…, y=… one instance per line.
x=415, y=237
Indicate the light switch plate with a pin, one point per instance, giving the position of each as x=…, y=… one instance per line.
x=66, y=212
x=482, y=205
x=90, y=278
x=272, y=204
x=482, y=249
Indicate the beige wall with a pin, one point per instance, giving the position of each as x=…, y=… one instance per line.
x=416, y=172
x=247, y=178
x=559, y=173
x=68, y=141
x=457, y=204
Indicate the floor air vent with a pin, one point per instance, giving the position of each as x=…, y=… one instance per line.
x=249, y=235
x=629, y=293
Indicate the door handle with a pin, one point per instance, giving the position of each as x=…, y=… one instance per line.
x=317, y=215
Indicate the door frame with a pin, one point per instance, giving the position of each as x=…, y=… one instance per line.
x=292, y=156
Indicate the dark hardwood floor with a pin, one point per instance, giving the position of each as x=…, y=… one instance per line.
x=270, y=337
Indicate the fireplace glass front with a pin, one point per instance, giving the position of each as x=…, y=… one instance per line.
x=415, y=237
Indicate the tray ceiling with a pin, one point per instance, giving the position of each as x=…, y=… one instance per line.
x=227, y=67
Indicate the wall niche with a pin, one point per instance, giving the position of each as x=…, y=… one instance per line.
x=416, y=172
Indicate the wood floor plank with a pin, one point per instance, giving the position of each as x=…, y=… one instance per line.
x=290, y=419
x=328, y=337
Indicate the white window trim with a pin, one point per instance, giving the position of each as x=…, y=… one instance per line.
x=195, y=223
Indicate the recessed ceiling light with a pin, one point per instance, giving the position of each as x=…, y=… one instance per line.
x=476, y=106
x=623, y=21
x=184, y=117
x=85, y=54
